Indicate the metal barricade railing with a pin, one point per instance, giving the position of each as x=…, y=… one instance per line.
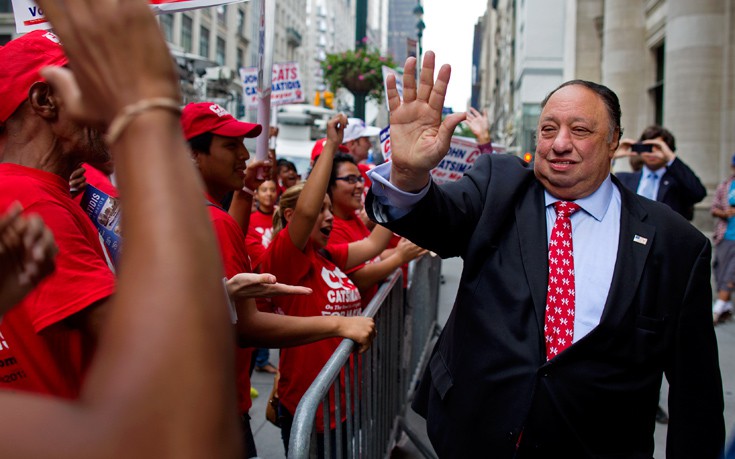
x=371, y=383
x=377, y=385
x=422, y=300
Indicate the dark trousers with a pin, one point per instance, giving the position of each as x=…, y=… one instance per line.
x=247, y=438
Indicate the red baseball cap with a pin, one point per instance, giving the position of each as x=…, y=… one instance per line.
x=319, y=146
x=21, y=59
x=201, y=117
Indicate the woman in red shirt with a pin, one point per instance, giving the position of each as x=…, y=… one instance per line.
x=346, y=186
x=297, y=255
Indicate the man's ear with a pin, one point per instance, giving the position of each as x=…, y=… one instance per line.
x=288, y=214
x=196, y=156
x=43, y=101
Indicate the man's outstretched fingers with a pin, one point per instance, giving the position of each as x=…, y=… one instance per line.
x=409, y=80
x=439, y=92
x=426, y=78
x=391, y=92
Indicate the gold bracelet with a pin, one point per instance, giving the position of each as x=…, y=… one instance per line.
x=128, y=113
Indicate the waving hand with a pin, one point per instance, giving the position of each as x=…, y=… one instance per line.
x=419, y=138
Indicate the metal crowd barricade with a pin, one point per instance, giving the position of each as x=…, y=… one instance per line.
x=377, y=385
x=372, y=403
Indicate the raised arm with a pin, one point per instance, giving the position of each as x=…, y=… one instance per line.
x=374, y=273
x=419, y=138
x=242, y=201
x=368, y=248
x=311, y=199
x=168, y=334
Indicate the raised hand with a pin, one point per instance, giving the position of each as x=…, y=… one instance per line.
x=336, y=129
x=27, y=252
x=103, y=70
x=419, y=138
x=479, y=124
x=257, y=172
x=624, y=149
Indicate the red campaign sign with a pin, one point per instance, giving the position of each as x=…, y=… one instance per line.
x=28, y=16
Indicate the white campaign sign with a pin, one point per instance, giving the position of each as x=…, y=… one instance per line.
x=28, y=16
x=459, y=159
x=286, y=85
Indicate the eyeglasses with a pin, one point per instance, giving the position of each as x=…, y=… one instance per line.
x=352, y=179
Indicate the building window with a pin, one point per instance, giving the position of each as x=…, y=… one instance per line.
x=240, y=58
x=5, y=6
x=656, y=91
x=220, y=51
x=221, y=14
x=4, y=39
x=187, y=25
x=167, y=24
x=241, y=22
x=204, y=42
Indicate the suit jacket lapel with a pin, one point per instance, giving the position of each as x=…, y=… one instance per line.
x=636, y=239
x=531, y=224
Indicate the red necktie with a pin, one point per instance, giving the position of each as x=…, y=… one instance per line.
x=559, y=324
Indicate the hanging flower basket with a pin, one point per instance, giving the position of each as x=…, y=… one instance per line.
x=356, y=84
x=359, y=71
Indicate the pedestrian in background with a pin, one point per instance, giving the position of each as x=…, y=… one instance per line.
x=664, y=177
x=723, y=209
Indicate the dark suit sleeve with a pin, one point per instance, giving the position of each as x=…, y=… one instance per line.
x=696, y=427
x=689, y=186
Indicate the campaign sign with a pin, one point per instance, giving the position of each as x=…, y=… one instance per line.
x=399, y=82
x=28, y=16
x=286, y=85
x=461, y=156
x=459, y=159
x=385, y=142
x=104, y=211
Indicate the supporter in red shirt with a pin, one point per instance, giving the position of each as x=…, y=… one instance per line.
x=346, y=190
x=48, y=340
x=216, y=140
x=258, y=238
x=286, y=175
x=302, y=227
x=260, y=230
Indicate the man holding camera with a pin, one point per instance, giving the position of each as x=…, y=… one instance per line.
x=664, y=177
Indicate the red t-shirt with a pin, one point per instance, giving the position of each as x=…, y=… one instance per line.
x=39, y=353
x=333, y=294
x=234, y=260
x=259, y=235
x=352, y=230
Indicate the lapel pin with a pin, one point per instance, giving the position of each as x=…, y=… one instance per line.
x=640, y=239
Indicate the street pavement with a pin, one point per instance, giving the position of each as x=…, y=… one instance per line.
x=268, y=437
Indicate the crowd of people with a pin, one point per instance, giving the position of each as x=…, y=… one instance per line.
x=152, y=356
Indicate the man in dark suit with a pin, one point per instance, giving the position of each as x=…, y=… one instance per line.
x=664, y=176
x=497, y=384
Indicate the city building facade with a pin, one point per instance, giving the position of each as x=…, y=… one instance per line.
x=671, y=62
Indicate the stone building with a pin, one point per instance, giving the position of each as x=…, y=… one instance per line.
x=670, y=62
